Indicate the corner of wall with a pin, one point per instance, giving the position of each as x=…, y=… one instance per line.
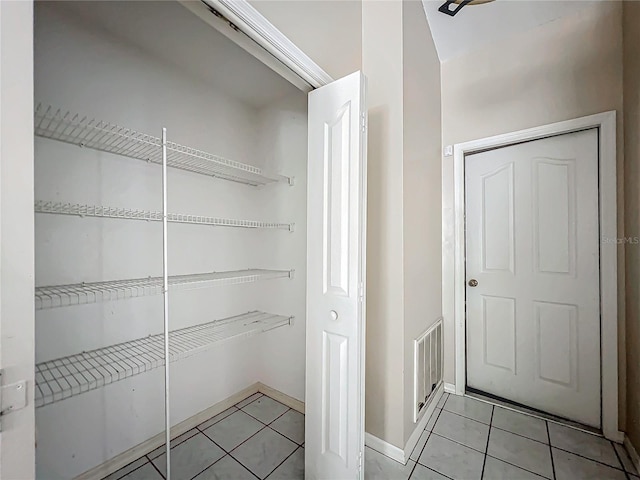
x=422, y=199
x=631, y=109
x=382, y=64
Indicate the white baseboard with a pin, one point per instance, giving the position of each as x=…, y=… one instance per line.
x=422, y=424
x=283, y=398
x=125, y=458
x=391, y=451
x=633, y=453
x=450, y=388
x=399, y=454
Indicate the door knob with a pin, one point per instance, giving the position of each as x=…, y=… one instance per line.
x=333, y=314
x=473, y=282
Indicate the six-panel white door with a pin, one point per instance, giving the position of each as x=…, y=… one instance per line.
x=336, y=215
x=533, y=320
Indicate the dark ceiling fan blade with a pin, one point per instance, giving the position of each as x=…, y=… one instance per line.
x=444, y=8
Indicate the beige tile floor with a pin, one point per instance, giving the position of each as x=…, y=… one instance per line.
x=465, y=439
x=257, y=438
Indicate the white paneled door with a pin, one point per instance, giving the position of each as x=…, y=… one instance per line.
x=334, y=401
x=532, y=272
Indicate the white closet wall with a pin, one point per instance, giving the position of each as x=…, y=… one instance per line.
x=81, y=67
x=283, y=136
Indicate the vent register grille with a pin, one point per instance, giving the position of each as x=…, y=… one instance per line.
x=427, y=367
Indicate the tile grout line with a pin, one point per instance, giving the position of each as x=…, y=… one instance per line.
x=261, y=421
x=428, y=437
x=626, y=474
x=457, y=443
x=587, y=458
x=553, y=466
x=272, y=421
x=520, y=435
x=257, y=398
x=128, y=473
x=537, y=441
x=478, y=451
x=199, y=430
x=425, y=446
x=486, y=448
x=277, y=433
x=228, y=453
x=546, y=417
x=286, y=458
x=518, y=466
x=290, y=439
x=264, y=426
x=157, y=469
x=281, y=415
x=466, y=446
x=220, y=459
x=464, y=416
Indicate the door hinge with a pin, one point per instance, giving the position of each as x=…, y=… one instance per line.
x=360, y=461
x=363, y=121
x=361, y=292
x=12, y=397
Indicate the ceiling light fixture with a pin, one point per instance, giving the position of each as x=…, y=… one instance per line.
x=446, y=7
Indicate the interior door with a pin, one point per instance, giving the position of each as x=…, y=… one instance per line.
x=17, y=442
x=336, y=215
x=533, y=304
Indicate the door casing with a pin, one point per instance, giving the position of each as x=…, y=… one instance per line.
x=453, y=260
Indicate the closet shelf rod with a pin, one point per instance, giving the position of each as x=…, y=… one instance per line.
x=68, y=127
x=94, y=292
x=83, y=210
x=75, y=374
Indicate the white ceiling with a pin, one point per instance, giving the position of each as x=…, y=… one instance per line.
x=477, y=25
x=168, y=31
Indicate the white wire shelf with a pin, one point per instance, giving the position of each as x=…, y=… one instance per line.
x=69, y=376
x=81, y=210
x=93, y=292
x=65, y=126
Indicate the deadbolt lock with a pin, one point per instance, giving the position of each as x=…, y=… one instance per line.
x=473, y=282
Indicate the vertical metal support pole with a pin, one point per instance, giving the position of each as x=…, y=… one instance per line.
x=165, y=292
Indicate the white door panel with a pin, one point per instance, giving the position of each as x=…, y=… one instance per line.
x=533, y=320
x=334, y=407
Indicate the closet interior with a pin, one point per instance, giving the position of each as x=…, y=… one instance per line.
x=109, y=77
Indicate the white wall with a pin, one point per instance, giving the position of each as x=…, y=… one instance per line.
x=422, y=137
x=78, y=68
x=382, y=64
x=283, y=144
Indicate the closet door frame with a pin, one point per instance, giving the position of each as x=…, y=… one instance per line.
x=17, y=316
x=266, y=42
